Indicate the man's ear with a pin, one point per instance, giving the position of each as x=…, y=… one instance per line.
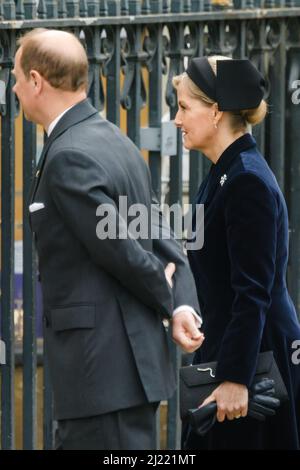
x=36, y=80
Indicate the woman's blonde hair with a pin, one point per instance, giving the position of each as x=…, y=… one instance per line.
x=241, y=118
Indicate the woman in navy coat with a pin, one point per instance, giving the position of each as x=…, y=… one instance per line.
x=240, y=271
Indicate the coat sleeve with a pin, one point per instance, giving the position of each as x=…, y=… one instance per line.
x=79, y=185
x=250, y=210
x=168, y=249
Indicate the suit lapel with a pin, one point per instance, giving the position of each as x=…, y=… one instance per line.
x=39, y=166
x=80, y=112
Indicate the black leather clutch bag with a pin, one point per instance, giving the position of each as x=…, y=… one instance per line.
x=198, y=381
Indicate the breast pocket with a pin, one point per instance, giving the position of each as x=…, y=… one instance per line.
x=37, y=219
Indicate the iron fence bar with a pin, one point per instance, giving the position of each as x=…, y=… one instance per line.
x=29, y=292
x=276, y=104
x=155, y=102
x=48, y=425
x=131, y=96
x=176, y=48
x=155, y=51
x=166, y=18
x=7, y=41
x=93, y=42
x=113, y=68
x=263, y=54
x=176, y=161
x=293, y=167
x=29, y=276
x=196, y=160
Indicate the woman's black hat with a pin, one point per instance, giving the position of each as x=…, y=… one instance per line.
x=237, y=85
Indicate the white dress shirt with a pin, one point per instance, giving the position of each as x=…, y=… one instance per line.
x=55, y=121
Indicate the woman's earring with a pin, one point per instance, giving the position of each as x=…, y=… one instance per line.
x=216, y=127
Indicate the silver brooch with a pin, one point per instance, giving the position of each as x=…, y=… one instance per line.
x=223, y=179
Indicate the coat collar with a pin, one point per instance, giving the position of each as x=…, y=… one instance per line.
x=244, y=142
x=78, y=113
x=218, y=170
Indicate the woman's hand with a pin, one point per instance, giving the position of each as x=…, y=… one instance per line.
x=232, y=400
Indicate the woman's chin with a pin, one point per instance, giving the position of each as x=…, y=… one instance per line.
x=186, y=145
x=189, y=146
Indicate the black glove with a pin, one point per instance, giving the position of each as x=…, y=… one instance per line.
x=263, y=387
x=261, y=400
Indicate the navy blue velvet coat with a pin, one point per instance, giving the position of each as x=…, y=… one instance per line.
x=240, y=275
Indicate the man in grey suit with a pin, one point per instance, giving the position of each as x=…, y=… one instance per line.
x=104, y=298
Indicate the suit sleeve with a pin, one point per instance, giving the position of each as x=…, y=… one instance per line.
x=79, y=186
x=168, y=250
x=251, y=231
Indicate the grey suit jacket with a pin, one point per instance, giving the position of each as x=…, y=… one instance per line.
x=104, y=300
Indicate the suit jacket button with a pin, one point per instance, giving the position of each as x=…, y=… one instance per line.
x=45, y=320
